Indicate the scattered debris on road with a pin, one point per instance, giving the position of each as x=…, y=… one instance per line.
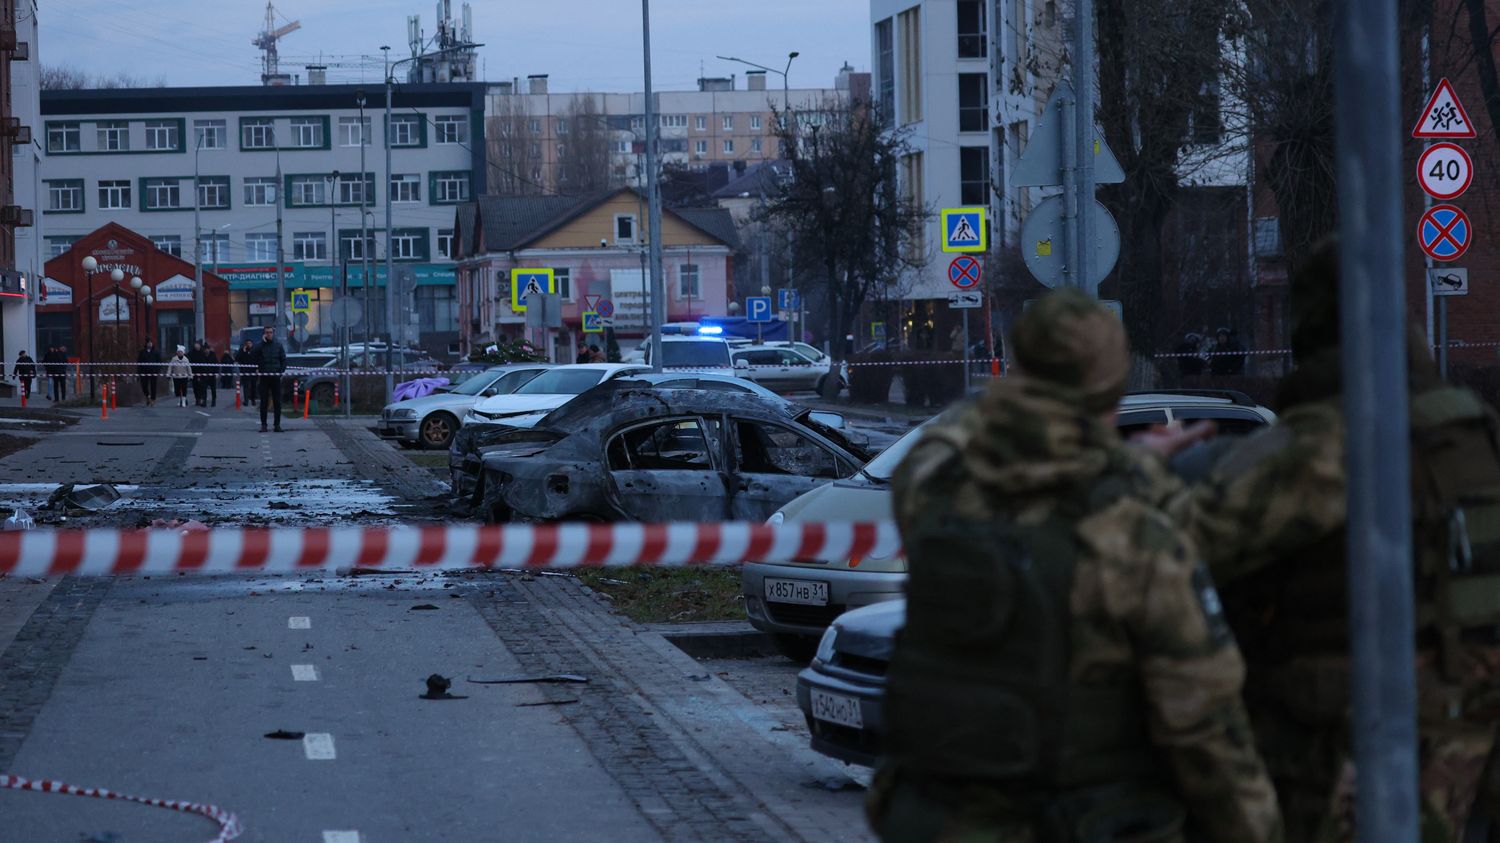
x=71, y=498
x=525, y=680
x=423, y=607
x=284, y=735
x=546, y=702
x=19, y=519
x=437, y=689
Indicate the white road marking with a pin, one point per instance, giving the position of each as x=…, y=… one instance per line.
x=318, y=746
x=298, y=622
x=304, y=673
x=201, y=413
x=340, y=837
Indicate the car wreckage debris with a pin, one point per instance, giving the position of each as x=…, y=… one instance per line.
x=523, y=680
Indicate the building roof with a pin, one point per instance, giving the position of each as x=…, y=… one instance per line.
x=512, y=222
x=259, y=98
x=761, y=178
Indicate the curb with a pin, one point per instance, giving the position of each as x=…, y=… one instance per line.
x=717, y=640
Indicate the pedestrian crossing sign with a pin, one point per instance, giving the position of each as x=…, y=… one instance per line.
x=592, y=322
x=964, y=230
x=529, y=281
x=301, y=301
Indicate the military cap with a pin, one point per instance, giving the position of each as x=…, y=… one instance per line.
x=1069, y=338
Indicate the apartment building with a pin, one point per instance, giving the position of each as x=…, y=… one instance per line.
x=315, y=153
x=19, y=259
x=543, y=142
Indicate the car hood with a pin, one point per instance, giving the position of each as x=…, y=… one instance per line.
x=518, y=404
x=853, y=499
x=870, y=631
x=435, y=401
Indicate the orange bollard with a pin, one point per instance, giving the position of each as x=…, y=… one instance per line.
x=24, y=393
x=114, y=395
x=994, y=367
x=104, y=406
x=236, y=393
x=306, y=402
x=335, y=396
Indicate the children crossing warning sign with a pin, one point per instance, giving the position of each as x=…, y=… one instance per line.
x=1444, y=116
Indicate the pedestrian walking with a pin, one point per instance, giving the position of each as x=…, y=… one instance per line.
x=211, y=374
x=197, y=358
x=1271, y=522
x=23, y=371
x=245, y=358
x=1229, y=356
x=148, y=370
x=1065, y=672
x=583, y=352
x=595, y=355
x=226, y=370
x=1189, y=355
x=270, y=363
x=180, y=371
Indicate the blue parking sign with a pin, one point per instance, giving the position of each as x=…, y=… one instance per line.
x=788, y=300
x=758, y=308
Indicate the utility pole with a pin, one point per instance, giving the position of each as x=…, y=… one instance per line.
x=364, y=255
x=390, y=276
x=658, y=299
x=198, y=246
x=1083, y=145
x=280, y=252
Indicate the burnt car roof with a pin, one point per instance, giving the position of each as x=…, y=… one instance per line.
x=643, y=399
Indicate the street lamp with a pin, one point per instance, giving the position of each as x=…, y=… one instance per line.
x=142, y=292
x=786, y=106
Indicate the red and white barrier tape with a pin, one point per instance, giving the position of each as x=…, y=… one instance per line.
x=229, y=824
x=41, y=553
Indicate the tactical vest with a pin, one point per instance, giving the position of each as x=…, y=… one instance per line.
x=980, y=687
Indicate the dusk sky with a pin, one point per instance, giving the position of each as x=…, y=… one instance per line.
x=581, y=44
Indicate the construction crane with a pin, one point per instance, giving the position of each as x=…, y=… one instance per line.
x=270, y=73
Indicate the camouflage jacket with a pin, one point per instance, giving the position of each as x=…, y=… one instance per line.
x=1143, y=609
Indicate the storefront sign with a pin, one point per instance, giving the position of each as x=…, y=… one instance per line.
x=114, y=308
x=263, y=276
x=176, y=288
x=55, y=292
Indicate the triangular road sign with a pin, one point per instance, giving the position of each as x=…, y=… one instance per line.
x=591, y=302
x=1041, y=161
x=1444, y=116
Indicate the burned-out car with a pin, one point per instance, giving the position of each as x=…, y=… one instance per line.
x=627, y=450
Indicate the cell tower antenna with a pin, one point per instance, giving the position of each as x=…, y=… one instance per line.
x=270, y=73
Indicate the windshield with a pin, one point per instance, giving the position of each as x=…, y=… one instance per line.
x=562, y=382
x=883, y=467
x=476, y=384
x=696, y=354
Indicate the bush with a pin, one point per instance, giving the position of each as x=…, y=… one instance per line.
x=508, y=351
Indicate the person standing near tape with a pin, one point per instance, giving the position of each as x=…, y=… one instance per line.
x=1065, y=673
x=245, y=358
x=149, y=362
x=180, y=372
x=24, y=370
x=270, y=363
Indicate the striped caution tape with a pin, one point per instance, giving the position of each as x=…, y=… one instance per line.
x=42, y=553
x=229, y=824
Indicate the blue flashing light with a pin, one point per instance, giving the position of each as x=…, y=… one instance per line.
x=711, y=330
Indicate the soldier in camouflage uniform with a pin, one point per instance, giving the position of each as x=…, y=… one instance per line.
x=1270, y=520
x=1065, y=673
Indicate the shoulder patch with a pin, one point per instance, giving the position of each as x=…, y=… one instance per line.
x=1211, y=606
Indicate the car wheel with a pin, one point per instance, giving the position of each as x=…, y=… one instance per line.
x=437, y=431
x=323, y=394
x=798, y=648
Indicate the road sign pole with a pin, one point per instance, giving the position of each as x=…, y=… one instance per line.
x=966, y=351
x=1071, y=246
x=1083, y=143
x=989, y=328
x=1442, y=334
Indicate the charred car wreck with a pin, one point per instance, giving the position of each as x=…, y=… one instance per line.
x=629, y=451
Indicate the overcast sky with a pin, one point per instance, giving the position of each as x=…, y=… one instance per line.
x=581, y=44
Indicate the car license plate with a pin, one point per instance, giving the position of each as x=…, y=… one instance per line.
x=805, y=592
x=837, y=708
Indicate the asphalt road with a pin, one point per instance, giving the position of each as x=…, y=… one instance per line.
x=166, y=687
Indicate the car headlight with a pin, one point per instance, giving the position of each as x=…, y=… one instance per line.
x=777, y=518
x=403, y=414
x=825, y=645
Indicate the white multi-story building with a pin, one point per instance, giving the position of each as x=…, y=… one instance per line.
x=19, y=282
x=132, y=156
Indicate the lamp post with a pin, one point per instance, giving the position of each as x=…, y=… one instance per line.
x=198, y=330
x=786, y=97
x=141, y=290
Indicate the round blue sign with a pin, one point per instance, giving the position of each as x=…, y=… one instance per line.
x=964, y=272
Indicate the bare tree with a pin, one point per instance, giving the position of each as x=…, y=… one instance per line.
x=514, y=152
x=59, y=78
x=584, y=165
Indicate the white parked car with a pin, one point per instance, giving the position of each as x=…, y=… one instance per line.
x=547, y=391
x=781, y=368
x=431, y=421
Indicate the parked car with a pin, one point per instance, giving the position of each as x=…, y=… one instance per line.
x=547, y=391
x=782, y=368
x=695, y=353
x=796, y=601
x=632, y=451
x=432, y=420
x=842, y=692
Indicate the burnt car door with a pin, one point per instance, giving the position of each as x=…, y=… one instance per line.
x=667, y=470
x=775, y=462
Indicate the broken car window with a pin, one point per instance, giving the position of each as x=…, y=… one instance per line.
x=770, y=449
x=678, y=444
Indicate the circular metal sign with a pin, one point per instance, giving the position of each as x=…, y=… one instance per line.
x=964, y=272
x=1042, y=242
x=346, y=313
x=1445, y=170
x=1444, y=232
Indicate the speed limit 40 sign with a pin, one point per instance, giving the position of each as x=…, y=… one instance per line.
x=1445, y=170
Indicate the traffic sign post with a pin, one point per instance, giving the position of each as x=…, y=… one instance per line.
x=1444, y=232
x=964, y=230
x=301, y=301
x=606, y=311
x=1445, y=171
x=529, y=281
x=1443, y=116
x=1448, y=281
x=592, y=322
x=758, y=311
x=964, y=272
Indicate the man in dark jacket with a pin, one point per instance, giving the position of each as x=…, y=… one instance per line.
x=150, y=369
x=270, y=361
x=24, y=371
x=245, y=357
x=197, y=359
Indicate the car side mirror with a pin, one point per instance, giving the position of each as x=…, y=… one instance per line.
x=742, y=363
x=490, y=392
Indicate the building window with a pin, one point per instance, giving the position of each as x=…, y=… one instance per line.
x=454, y=128
x=561, y=126
x=1268, y=236
x=1206, y=119
x=700, y=147
x=114, y=195
x=700, y=123
x=909, y=33
x=885, y=69
x=210, y=134
x=535, y=126
x=755, y=145
x=621, y=147
x=973, y=102
x=354, y=131
x=353, y=247
x=437, y=309
x=625, y=229
x=638, y=123
x=307, y=132
x=59, y=245
x=213, y=192
x=169, y=243
x=308, y=190
x=674, y=121
x=215, y=248
x=562, y=150
x=973, y=40
x=974, y=175
x=562, y=281
x=755, y=122
x=406, y=188
x=64, y=137
x=406, y=130
x=687, y=282
x=728, y=122
x=260, y=190
x=728, y=146
x=162, y=135
x=445, y=243
x=259, y=133
x=310, y=246
x=353, y=190
x=163, y=194
x=114, y=136
x=260, y=247
x=409, y=244
x=450, y=188
x=910, y=180
x=65, y=196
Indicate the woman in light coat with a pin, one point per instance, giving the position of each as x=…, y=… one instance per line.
x=181, y=373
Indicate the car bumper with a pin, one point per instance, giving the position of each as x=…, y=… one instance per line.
x=404, y=429
x=847, y=589
x=846, y=743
